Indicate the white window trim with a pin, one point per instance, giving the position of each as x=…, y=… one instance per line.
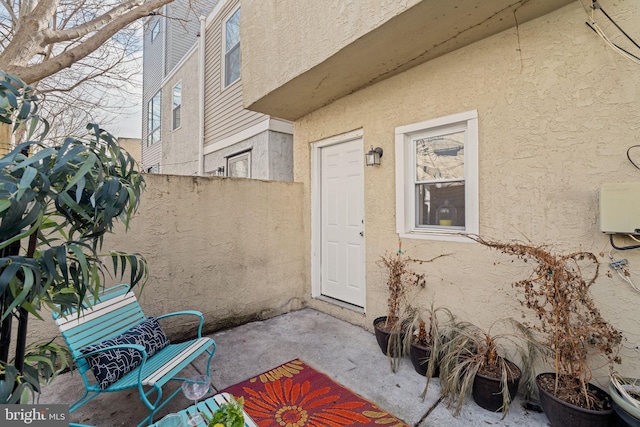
x=155, y=26
x=173, y=118
x=405, y=191
x=223, y=61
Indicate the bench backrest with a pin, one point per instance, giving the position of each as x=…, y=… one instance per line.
x=115, y=311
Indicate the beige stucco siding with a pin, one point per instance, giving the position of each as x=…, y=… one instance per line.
x=180, y=147
x=230, y=248
x=304, y=54
x=557, y=111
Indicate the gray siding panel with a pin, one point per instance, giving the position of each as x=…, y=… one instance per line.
x=224, y=115
x=151, y=78
x=182, y=33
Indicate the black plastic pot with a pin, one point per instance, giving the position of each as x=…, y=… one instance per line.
x=622, y=418
x=487, y=391
x=420, y=355
x=561, y=413
x=383, y=337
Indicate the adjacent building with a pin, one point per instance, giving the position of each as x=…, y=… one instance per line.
x=194, y=122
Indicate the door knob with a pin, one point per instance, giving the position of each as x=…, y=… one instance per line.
x=362, y=233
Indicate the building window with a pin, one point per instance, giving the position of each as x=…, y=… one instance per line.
x=232, y=48
x=437, y=178
x=239, y=165
x=155, y=30
x=177, y=104
x=153, y=119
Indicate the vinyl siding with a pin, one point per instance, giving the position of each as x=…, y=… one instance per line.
x=151, y=79
x=181, y=35
x=224, y=115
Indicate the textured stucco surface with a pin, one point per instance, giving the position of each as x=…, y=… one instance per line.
x=180, y=147
x=231, y=248
x=329, y=49
x=557, y=111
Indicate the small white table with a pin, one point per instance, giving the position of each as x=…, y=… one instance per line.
x=209, y=406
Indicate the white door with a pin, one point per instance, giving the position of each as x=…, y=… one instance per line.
x=342, y=222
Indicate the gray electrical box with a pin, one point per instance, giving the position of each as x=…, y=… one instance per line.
x=620, y=208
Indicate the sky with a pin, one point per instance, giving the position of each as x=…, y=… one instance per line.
x=128, y=123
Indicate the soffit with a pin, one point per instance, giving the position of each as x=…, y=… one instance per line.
x=426, y=31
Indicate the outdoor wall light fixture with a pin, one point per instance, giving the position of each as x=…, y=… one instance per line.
x=373, y=156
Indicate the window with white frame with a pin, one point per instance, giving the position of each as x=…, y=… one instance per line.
x=153, y=119
x=232, y=48
x=155, y=30
x=239, y=165
x=437, y=177
x=177, y=104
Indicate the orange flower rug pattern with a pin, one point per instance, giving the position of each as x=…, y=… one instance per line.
x=296, y=395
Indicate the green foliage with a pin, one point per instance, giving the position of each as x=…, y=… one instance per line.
x=228, y=415
x=61, y=200
x=42, y=360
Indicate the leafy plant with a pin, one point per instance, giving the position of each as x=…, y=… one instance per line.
x=557, y=291
x=228, y=415
x=470, y=349
x=61, y=200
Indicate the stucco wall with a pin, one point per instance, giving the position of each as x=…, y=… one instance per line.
x=557, y=111
x=180, y=146
x=231, y=248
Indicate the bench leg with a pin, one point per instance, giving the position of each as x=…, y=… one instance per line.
x=83, y=399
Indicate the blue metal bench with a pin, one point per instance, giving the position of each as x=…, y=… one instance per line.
x=115, y=311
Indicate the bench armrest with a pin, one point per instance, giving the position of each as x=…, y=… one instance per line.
x=187, y=313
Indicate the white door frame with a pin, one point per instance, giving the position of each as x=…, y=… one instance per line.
x=316, y=224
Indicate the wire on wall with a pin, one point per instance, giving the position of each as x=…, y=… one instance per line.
x=629, y=156
x=598, y=30
x=620, y=267
x=621, y=248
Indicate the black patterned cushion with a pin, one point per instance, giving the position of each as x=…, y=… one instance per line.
x=111, y=365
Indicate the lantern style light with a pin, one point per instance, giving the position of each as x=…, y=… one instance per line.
x=373, y=156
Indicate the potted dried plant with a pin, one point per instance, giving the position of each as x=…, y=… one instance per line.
x=389, y=329
x=569, y=322
x=482, y=364
x=625, y=393
x=429, y=334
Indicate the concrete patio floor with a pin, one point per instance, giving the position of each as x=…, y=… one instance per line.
x=348, y=354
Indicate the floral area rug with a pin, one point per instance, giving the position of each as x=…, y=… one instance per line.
x=296, y=395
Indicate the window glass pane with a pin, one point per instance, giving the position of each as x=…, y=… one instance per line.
x=177, y=103
x=176, y=117
x=232, y=31
x=155, y=30
x=440, y=157
x=232, y=66
x=149, y=121
x=232, y=49
x=440, y=205
x=153, y=120
x=239, y=166
x=177, y=95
